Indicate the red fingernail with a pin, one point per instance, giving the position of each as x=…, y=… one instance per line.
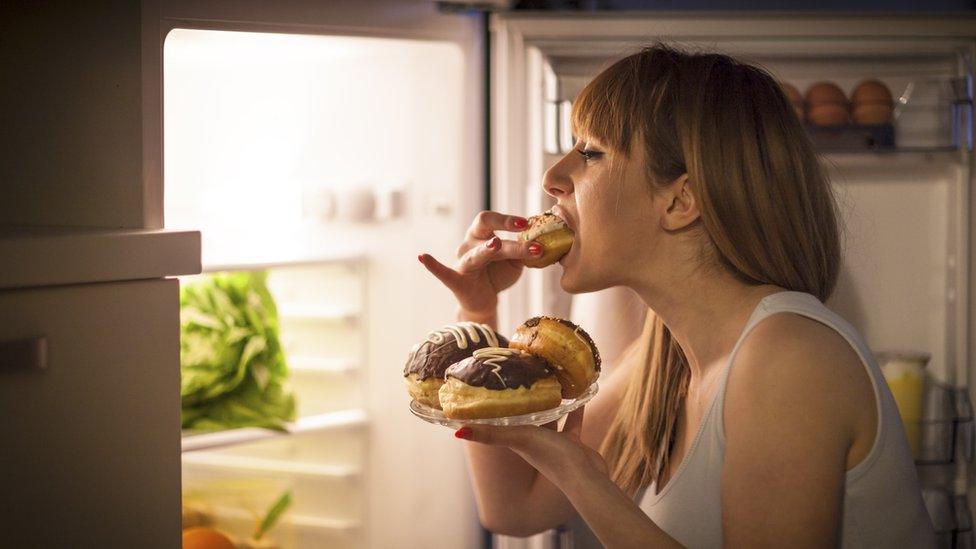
x=420, y=257
x=463, y=432
x=494, y=243
x=535, y=249
x=520, y=223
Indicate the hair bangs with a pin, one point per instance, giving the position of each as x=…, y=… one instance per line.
x=603, y=108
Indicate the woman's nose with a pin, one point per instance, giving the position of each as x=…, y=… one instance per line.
x=556, y=183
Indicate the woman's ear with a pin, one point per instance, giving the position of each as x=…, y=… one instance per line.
x=682, y=208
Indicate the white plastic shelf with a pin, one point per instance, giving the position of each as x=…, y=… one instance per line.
x=265, y=465
x=303, y=522
x=319, y=422
x=265, y=264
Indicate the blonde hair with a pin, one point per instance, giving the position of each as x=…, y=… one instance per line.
x=767, y=209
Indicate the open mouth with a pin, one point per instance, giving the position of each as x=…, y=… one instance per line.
x=561, y=214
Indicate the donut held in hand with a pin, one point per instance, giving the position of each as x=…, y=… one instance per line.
x=499, y=382
x=552, y=232
x=428, y=360
x=567, y=348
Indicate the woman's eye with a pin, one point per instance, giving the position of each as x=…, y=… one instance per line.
x=589, y=154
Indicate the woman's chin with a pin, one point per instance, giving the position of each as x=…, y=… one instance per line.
x=575, y=280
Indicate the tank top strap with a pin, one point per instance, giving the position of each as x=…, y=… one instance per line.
x=787, y=301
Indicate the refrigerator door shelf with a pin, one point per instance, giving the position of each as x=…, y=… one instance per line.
x=48, y=256
x=321, y=422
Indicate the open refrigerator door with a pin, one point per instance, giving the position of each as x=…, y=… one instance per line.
x=317, y=157
x=903, y=185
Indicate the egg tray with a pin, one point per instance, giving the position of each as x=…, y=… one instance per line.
x=860, y=137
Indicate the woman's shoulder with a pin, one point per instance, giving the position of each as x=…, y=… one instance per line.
x=792, y=365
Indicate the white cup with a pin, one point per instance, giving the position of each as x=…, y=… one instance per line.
x=355, y=204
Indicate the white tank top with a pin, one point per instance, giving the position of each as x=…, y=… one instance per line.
x=882, y=504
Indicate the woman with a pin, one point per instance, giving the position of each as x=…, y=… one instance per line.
x=747, y=413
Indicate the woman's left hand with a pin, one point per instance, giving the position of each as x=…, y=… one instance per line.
x=558, y=455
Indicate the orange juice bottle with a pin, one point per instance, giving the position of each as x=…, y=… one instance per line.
x=905, y=373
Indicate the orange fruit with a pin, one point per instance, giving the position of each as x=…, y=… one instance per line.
x=201, y=537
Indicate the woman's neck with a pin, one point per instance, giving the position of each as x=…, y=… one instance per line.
x=705, y=313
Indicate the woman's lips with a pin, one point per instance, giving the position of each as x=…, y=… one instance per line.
x=561, y=213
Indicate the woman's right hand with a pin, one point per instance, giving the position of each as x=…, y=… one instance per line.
x=486, y=265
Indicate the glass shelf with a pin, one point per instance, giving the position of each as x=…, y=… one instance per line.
x=320, y=422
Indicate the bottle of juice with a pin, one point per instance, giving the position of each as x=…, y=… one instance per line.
x=905, y=373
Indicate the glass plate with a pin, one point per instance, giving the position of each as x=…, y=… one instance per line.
x=433, y=415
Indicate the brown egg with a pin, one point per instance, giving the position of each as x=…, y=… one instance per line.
x=828, y=114
x=825, y=92
x=872, y=113
x=795, y=98
x=871, y=91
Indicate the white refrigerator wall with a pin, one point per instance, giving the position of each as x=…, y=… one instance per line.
x=284, y=147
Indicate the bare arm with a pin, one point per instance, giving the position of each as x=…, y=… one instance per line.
x=797, y=400
x=579, y=472
x=513, y=498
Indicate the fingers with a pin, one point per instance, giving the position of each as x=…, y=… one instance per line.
x=487, y=222
x=497, y=249
x=511, y=437
x=448, y=276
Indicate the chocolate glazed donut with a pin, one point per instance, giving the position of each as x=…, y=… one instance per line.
x=428, y=360
x=499, y=382
x=566, y=347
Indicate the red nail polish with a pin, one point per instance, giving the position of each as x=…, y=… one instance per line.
x=494, y=243
x=520, y=223
x=535, y=249
x=421, y=257
x=463, y=432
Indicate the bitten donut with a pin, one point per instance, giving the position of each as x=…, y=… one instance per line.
x=499, y=382
x=424, y=371
x=552, y=232
x=567, y=348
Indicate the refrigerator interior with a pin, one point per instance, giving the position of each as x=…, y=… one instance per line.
x=328, y=162
x=904, y=210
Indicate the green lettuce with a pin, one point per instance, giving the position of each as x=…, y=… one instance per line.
x=233, y=369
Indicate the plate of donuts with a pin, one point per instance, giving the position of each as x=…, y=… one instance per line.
x=433, y=415
x=467, y=373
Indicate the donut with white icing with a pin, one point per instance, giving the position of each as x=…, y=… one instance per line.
x=552, y=232
x=499, y=382
x=429, y=359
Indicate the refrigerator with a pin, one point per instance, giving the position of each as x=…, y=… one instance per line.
x=327, y=145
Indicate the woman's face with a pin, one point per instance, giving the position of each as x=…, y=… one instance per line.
x=608, y=202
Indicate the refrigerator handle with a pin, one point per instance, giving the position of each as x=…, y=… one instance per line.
x=26, y=354
x=966, y=426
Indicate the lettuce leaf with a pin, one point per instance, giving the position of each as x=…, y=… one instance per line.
x=233, y=369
